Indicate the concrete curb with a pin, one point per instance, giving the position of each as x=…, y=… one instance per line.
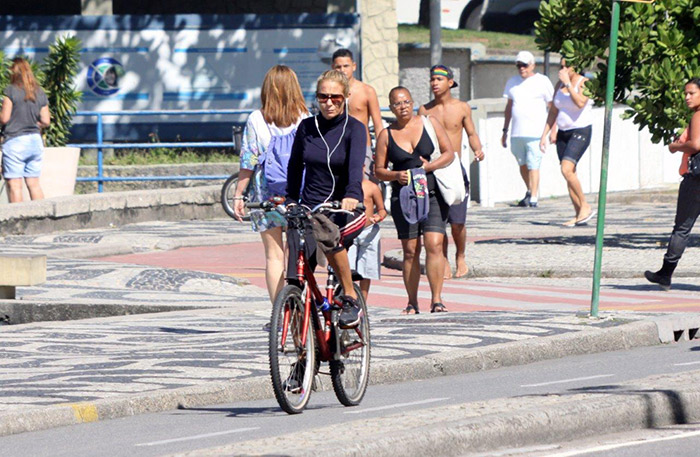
x=460, y=429
x=161, y=244
x=393, y=260
x=593, y=340
x=109, y=209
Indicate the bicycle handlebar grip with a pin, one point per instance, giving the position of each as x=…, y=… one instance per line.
x=259, y=205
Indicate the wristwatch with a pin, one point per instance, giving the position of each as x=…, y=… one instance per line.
x=567, y=85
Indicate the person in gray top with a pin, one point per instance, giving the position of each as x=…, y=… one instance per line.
x=25, y=111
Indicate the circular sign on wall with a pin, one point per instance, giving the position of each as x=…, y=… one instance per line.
x=103, y=76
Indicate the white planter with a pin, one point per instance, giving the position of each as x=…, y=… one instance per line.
x=59, y=169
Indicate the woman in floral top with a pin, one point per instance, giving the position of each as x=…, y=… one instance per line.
x=283, y=107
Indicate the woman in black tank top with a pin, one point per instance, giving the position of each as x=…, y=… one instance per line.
x=407, y=145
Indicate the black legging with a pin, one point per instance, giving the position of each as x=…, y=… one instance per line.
x=687, y=212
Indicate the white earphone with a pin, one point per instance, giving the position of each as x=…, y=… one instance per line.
x=329, y=152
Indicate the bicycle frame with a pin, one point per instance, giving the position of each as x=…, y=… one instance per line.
x=324, y=333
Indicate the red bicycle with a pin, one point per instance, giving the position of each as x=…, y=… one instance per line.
x=304, y=328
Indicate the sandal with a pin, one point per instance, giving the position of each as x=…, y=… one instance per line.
x=410, y=309
x=438, y=308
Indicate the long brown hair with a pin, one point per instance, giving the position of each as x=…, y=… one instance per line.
x=282, y=100
x=21, y=76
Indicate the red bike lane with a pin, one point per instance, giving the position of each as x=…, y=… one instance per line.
x=247, y=261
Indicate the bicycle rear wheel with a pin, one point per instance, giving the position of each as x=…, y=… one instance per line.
x=228, y=190
x=291, y=363
x=350, y=374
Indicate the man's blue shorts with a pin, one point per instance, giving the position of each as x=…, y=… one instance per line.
x=527, y=151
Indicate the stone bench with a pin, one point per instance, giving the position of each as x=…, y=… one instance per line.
x=20, y=270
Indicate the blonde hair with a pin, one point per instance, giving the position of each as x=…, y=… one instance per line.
x=335, y=76
x=282, y=100
x=21, y=76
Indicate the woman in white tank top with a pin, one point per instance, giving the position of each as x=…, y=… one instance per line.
x=572, y=112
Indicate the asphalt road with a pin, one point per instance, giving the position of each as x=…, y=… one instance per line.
x=676, y=440
x=198, y=428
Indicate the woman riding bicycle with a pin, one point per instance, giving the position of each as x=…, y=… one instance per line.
x=328, y=155
x=283, y=108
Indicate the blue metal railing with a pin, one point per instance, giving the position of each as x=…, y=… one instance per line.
x=100, y=145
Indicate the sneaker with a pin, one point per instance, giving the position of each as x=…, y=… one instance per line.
x=533, y=204
x=295, y=378
x=350, y=315
x=525, y=201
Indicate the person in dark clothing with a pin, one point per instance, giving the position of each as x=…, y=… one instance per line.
x=407, y=145
x=328, y=155
x=688, y=207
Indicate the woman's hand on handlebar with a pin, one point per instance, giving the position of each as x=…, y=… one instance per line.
x=349, y=204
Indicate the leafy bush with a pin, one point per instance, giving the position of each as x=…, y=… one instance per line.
x=658, y=53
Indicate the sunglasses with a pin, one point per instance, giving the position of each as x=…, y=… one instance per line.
x=521, y=65
x=398, y=105
x=336, y=99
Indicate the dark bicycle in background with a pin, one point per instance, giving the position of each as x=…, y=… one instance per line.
x=228, y=190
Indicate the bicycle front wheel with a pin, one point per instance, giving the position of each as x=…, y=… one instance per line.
x=291, y=361
x=228, y=191
x=350, y=374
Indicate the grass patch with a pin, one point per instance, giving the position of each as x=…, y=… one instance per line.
x=492, y=40
x=546, y=274
x=163, y=156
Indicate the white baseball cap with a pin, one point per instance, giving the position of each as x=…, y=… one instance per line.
x=525, y=57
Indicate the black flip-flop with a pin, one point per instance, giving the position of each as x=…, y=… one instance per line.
x=410, y=307
x=438, y=308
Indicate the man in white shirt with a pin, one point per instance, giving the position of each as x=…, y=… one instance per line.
x=529, y=97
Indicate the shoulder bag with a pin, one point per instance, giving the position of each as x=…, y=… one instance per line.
x=449, y=179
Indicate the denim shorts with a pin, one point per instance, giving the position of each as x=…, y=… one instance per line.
x=21, y=156
x=526, y=151
x=365, y=255
x=571, y=144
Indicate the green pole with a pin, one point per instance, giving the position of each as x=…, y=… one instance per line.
x=602, y=192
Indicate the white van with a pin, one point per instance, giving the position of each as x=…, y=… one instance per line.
x=456, y=14
x=514, y=16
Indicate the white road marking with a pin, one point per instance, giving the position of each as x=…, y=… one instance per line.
x=198, y=437
x=396, y=405
x=609, y=447
x=686, y=363
x=564, y=381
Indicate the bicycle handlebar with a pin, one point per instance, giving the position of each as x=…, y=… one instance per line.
x=269, y=205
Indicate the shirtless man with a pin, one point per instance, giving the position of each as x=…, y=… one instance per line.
x=362, y=104
x=455, y=116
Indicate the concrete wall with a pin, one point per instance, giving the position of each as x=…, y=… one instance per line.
x=490, y=73
x=478, y=75
x=379, y=41
x=414, y=73
x=635, y=162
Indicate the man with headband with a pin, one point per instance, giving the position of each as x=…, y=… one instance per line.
x=456, y=116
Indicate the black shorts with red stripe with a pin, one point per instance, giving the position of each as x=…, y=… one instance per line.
x=350, y=226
